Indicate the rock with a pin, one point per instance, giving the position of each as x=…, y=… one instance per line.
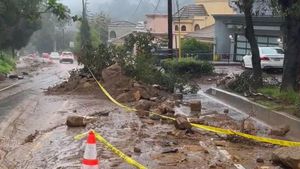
x=165, y=108
x=78, y=121
x=154, y=116
x=236, y=158
x=13, y=76
x=154, y=99
x=226, y=111
x=136, y=84
x=196, y=120
x=137, y=150
x=112, y=71
x=87, y=85
x=31, y=137
x=178, y=96
x=181, y=123
x=25, y=73
x=169, y=150
x=249, y=127
x=137, y=95
x=2, y=77
x=260, y=160
x=142, y=113
x=281, y=131
x=287, y=156
x=221, y=143
x=144, y=105
x=196, y=106
x=126, y=97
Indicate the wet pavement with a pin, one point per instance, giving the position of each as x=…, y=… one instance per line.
x=26, y=110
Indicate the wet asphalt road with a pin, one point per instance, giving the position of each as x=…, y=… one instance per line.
x=30, y=88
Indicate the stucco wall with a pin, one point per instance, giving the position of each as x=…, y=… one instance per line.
x=157, y=23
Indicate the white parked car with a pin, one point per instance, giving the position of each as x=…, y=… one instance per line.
x=54, y=56
x=67, y=57
x=271, y=57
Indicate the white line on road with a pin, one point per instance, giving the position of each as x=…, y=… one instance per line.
x=10, y=86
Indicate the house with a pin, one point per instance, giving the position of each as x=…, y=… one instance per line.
x=195, y=17
x=119, y=29
x=230, y=39
x=157, y=25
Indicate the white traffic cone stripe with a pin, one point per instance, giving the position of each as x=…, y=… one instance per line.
x=90, y=151
x=89, y=167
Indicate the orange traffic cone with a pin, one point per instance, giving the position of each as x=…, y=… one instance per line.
x=90, y=160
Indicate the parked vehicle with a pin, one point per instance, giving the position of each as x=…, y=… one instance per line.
x=45, y=55
x=54, y=56
x=271, y=57
x=67, y=57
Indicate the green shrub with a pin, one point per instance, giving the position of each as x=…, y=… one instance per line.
x=187, y=66
x=192, y=45
x=7, y=63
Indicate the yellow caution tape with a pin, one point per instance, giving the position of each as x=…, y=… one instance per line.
x=208, y=128
x=113, y=149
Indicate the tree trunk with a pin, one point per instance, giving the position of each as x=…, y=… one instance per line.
x=292, y=54
x=250, y=35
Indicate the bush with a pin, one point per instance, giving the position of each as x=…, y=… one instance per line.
x=187, y=66
x=192, y=45
x=7, y=63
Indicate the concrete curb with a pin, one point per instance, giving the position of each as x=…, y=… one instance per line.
x=262, y=113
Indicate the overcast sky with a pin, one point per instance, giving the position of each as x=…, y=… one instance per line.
x=122, y=9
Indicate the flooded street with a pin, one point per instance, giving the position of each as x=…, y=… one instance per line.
x=34, y=134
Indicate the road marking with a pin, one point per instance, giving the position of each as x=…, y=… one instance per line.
x=10, y=86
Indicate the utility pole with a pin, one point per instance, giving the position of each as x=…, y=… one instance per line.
x=170, y=27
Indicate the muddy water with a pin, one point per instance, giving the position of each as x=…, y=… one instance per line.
x=161, y=145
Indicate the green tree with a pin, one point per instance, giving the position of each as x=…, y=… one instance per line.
x=290, y=9
x=20, y=19
x=246, y=6
x=99, y=24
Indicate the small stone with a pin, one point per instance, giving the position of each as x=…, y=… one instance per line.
x=260, y=160
x=78, y=121
x=20, y=77
x=154, y=99
x=137, y=95
x=226, y=111
x=196, y=120
x=144, y=105
x=25, y=73
x=154, y=116
x=221, y=143
x=236, y=158
x=181, y=123
x=87, y=85
x=281, y=131
x=137, y=150
x=75, y=111
x=178, y=96
x=169, y=150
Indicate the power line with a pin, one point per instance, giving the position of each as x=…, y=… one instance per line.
x=137, y=8
x=156, y=7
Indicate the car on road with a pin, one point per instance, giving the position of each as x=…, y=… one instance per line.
x=67, y=57
x=54, y=56
x=271, y=57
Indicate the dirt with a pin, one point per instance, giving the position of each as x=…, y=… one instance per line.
x=155, y=143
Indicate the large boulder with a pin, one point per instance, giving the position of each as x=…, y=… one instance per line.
x=78, y=121
x=144, y=105
x=126, y=97
x=182, y=123
x=287, y=156
x=111, y=72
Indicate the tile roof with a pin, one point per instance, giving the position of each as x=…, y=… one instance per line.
x=190, y=11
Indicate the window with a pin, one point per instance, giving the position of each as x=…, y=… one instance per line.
x=271, y=51
x=112, y=35
x=176, y=28
x=197, y=27
x=183, y=28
